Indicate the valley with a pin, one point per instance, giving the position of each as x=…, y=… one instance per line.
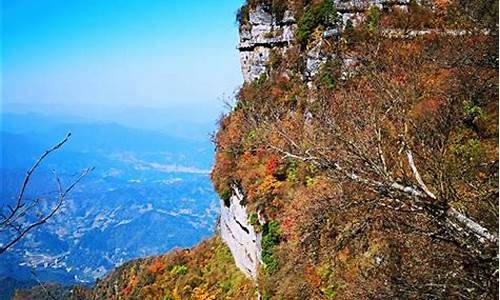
x=137, y=202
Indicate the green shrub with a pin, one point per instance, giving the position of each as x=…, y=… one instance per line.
x=225, y=195
x=329, y=292
x=472, y=112
x=325, y=271
x=250, y=138
x=261, y=80
x=226, y=285
x=372, y=19
x=469, y=151
x=328, y=74
x=348, y=31
x=310, y=181
x=179, y=270
x=328, y=81
x=291, y=171
x=266, y=296
x=323, y=14
x=270, y=238
x=329, y=287
x=253, y=219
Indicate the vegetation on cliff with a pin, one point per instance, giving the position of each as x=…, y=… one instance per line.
x=366, y=169
x=207, y=271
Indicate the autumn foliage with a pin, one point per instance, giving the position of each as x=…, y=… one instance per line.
x=205, y=272
x=434, y=96
x=331, y=165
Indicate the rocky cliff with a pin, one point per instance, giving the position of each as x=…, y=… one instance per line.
x=378, y=185
x=239, y=235
x=264, y=32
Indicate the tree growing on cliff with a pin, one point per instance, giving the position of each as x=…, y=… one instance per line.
x=408, y=144
x=387, y=174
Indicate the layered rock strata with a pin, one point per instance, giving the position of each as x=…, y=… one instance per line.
x=265, y=32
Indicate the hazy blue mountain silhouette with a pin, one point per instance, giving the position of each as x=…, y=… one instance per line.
x=149, y=192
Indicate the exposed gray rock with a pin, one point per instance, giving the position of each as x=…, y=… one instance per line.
x=253, y=63
x=239, y=235
x=288, y=18
x=355, y=5
x=356, y=18
x=350, y=6
x=260, y=16
x=315, y=58
x=264, y=32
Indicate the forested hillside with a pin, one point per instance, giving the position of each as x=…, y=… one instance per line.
x=361, y=168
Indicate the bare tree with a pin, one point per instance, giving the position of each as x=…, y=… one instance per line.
x=21, y=218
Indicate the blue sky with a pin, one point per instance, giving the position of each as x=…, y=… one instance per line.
x=89, y=57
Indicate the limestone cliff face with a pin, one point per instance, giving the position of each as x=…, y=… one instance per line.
x=239, y=235
x=264, y=33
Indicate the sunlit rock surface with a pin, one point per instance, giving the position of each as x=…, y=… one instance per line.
x=239, y=235
x=264, y=33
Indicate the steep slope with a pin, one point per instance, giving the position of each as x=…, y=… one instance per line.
x=207, y=271
x=365, y=148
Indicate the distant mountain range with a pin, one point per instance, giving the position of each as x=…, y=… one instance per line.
x=149, y=192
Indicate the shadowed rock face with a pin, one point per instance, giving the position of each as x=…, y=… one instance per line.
x=239, y=235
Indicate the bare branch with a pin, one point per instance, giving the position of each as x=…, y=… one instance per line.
x=412, y=193
x=417, y=175
x=19, y=201
x=13, y=220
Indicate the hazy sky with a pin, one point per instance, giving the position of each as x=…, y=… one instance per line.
x=90, y=57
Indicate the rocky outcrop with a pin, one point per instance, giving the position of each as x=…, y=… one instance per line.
x=259, y=35
x=239, y=235
x=351, y=6
x=264, y=33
